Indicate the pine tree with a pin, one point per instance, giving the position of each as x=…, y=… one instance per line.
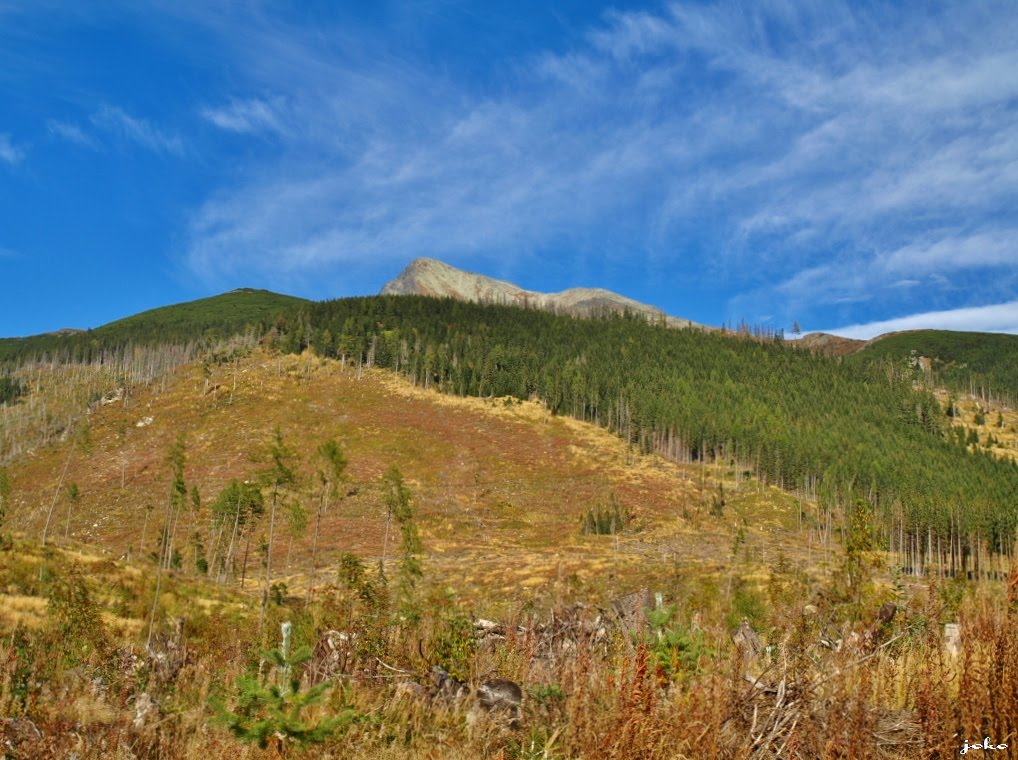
x=398, y=505
x=271, y=709
x=278, y=477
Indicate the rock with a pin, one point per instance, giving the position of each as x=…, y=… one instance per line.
x=485, y=627
x=447, y=688
x=112, y=397
x=488, y=633
x=146, y=711
x=144, y=422
x=502, y=697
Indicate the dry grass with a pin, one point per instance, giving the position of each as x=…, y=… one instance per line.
x=1006, y=436
x=887, y=692
x=499, y=486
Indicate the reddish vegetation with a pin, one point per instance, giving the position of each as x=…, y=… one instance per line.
x=499, y=487
x=485, y=474
x=830, y=345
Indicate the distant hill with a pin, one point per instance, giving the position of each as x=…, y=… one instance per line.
x=981, y=363
x=428, y=277
x=834, y=430
x=217, y=316
x=829, y=345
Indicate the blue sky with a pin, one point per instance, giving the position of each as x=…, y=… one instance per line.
x=851, y=166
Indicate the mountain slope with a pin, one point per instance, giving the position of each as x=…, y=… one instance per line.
x=797, y=419
x=981, y=363
x=499, y=489
x=428, y=277
x=829, y=345
x=217, y=316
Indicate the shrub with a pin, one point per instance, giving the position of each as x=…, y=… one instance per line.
x=74, y=621
x=606, y=519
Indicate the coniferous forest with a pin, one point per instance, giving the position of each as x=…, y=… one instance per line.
x=843, y=432
x=966, y=362
x=854, y=437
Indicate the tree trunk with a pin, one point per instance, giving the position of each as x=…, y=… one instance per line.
x=56, y=495
x=314, y=545
x=268, y=566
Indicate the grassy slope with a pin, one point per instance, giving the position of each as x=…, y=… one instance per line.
x=1004, y=440
x=225, y=314
x=499, y=489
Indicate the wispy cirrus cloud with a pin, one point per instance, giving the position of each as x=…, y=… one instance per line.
x=71, y=133
x=119, y=123
x=247, y=116
x=9, y=152
x=947, y=251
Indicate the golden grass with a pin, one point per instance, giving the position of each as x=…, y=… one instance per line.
x=499, y=487
x=17, y=609
x=969, y=407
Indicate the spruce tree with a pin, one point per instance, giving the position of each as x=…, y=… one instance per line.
x=272, y=709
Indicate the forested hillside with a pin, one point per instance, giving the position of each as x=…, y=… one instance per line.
x=984, y=364
x=855, y=439
x=841, y=432
x=206, y=319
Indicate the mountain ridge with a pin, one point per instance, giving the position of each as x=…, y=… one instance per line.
x=431, y=277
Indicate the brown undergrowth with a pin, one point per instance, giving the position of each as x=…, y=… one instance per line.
x=804, y=682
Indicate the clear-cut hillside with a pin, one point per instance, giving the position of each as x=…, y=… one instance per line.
x=428, y=277
x=831, y=345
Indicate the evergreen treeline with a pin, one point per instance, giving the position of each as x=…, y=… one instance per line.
x=798, y=420
x=984, y=364
x=206, y=320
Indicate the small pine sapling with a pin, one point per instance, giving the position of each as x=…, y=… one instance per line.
x=271, y=709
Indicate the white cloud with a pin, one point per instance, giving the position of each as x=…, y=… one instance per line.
x=9, y=152
x=246, y=116
x=70, y=132
x=137, y=130
x=950, y=252
x=1002, y=317
x=818, y=153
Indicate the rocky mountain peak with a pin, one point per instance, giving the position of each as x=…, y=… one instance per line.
x=430, y=277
